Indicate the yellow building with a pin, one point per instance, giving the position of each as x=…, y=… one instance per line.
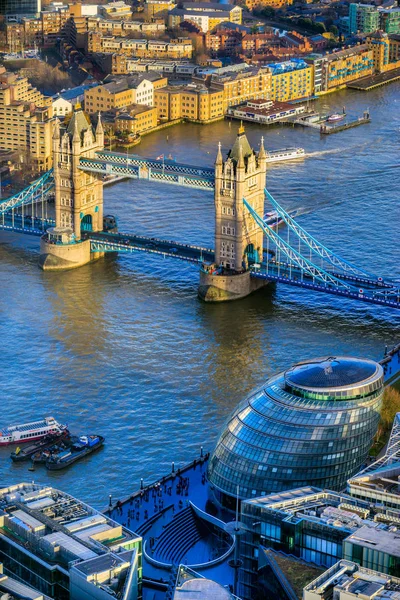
x=136, y=120
x=193, y=102
x=205, y=15
x=158, y=9
x=291, y=80
x=124, y=91
x=240, y=83
x=26, y=120
x=385, y=51
x=260, y=4
x=348, y=65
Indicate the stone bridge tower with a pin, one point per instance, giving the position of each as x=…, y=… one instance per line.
x=238, y=239
x=78, y=195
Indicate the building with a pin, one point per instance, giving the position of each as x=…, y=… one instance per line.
x=385, y=51
x=124, y=91
x=333, y=71
x=363, y=18
x=64, y=102
x=348, y=581
x=190, y=585
x=205, y=15
x=20, y=8
x=390, y=20
x=65, y=548
x=136, y=119
x=375, y=548
x=260, y=4
x=117, y=9
x=194, y=102
x=26, y=120
x=158, y=9
x=291, y=80
x=240, y=83
x=265, y=111
x=310, y=425
x=96, y=42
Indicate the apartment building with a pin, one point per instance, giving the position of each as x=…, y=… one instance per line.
x=193, y=102
x=240, y=83
x=158, y=9
x=176, y=48
x=136, y=119
x=26, y=119
x=291, y=80
x=124, y=91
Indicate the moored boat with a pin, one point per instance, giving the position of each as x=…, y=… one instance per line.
x=27, y=452
x=285, y=154
x=273, y=219
x=29, y=432
x=336, y=117
x=85, y=445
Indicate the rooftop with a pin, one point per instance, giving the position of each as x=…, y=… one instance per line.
x=58, y=528
x=381, y=539
x=333, y=372
x=348, y=579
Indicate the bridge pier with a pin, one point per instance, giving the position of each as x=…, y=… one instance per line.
x=227, y=287
x=64, y=256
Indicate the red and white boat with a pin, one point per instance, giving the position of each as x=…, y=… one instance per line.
x=27, y=432
x=336, y=117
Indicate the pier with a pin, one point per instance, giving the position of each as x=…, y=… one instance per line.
x=320, y=122
x=374, y=81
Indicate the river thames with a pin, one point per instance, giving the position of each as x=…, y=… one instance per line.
x=124, y=347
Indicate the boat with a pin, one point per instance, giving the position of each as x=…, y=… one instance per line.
x=29, y=432
x=336, y=117
x=86, y=444
x=285, y=154
x=21, y=454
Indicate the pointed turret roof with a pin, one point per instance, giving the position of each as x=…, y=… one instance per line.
x=79, y=123
x=241, y=143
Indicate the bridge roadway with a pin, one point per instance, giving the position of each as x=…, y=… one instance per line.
x=128, y=243
x=377, y=292
x=19, y=223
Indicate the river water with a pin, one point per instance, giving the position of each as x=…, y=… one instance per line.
x=124, y=347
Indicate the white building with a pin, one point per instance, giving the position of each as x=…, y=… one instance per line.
x=61, y=107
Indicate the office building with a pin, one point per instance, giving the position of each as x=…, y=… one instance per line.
x=20, y=8
x=348, y=581
x=310, y=425
x=66, y=549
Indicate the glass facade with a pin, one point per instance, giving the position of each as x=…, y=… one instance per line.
x=312, y=425
x=20, y=7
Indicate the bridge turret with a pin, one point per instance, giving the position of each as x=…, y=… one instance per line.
x=78, y=195
x=99, y=132
x=238, y=241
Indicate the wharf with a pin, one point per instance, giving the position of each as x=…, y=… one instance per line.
x=373, y=81
x=327, y=130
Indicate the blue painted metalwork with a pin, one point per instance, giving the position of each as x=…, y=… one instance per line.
x=304, y=272
x=128, y=243
x=313, y=244
x=32, y=193
x=20, y=223
x=134, y=167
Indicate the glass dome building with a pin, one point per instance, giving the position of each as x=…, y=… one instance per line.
x=311, y=425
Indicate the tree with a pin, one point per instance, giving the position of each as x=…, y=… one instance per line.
x=390, y=406
x=334, y=30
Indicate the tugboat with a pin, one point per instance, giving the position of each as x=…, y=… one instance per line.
x=28, y=432
x=25, y=453
x=85, y=445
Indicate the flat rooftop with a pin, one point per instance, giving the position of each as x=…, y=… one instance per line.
x=377, y=538
x=58, y=527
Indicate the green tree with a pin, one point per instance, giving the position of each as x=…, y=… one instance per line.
x=390, y=406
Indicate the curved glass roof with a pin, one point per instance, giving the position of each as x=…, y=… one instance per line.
x=332, y=372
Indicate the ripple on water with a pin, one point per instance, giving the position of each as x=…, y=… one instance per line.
x=125, y=348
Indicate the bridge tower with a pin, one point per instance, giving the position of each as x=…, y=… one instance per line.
x=238, y=239
x=78, y=195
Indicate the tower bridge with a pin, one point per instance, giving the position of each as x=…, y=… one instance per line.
x=248, y=253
